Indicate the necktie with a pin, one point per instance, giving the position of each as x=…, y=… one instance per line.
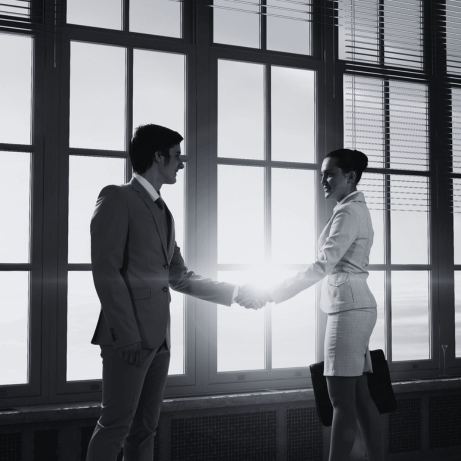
x=160, y=203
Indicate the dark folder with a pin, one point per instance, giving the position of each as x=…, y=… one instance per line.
x=379, y=384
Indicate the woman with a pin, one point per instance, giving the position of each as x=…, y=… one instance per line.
x=343, y=257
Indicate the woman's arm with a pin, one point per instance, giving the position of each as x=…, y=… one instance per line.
x=344, y=230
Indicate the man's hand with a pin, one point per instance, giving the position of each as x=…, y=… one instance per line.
x=131, y=353
x=252, y=297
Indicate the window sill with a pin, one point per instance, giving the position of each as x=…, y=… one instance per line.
x=89, y=410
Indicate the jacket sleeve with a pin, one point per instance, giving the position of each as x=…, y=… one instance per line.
x=109, y=230
x=343, y=231
x=187, y=282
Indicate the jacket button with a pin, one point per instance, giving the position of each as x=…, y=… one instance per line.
x=166, y=266
x=165, y=289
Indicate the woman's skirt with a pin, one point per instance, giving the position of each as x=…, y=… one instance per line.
x=346, y=342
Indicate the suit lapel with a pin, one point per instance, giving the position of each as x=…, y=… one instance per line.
x=156, y=213
x=172, y=237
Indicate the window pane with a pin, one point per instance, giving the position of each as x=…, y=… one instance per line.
x=87, y=177
x=288, y=26
x=240, y=331
x=97, y=96
x=293, y=114
x=83, y=307
x=236, y=23
x=293, y=216
x=457, y=219
x=409, y=132
x=409, y=220
x=156, y=17
x=376, y=284
x=240, y=110
x=458, y=312
x=359, y=30
x=15, y=227
x=159, y=89
x=372, y=185
x=364, y=119
x=240, y=215
x=456, y=127
x=410, y=315
x=294, y=328
x=96, y=13
x=174, y=197
x=14, y=337
x=403, y=33
x=16, y=89
x=453, y=21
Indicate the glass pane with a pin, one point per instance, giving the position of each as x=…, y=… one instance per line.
x=410, y=315
x=156, y=17
x=288, y=26
x=372, y=185
x=159, y=89
x=83, y=307
x=174, y=196
x=293, y=216
x=453, y=22
x=241, y=331
x=16, y=89
x=87, y=177
x=409, y=126
x=15, y=227
x=458, y=312
x=359, y=30
x=293, y=114
x=456, y=127
x=403, y=33
x=14, y=326
x=97, y=96
x=409, y=220
x=240, y=132
x=177, y=334
x=96, y=13
x=294, y=328
x=240, y=215
x=457, y=219
x=236, y=23
x=376, y=284
x=364, y=120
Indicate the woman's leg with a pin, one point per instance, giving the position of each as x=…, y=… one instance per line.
x=369, y=420
x=342, y=391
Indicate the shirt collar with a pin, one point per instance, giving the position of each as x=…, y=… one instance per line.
x=147, y=185
x=345, y=198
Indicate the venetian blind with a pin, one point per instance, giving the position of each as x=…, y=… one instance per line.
x=386, y=98
x=40, y=17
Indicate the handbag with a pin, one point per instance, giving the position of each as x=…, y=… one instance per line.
x=379, y=385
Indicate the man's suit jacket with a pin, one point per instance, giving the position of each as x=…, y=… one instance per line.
x=345, y=245
x=134, y=263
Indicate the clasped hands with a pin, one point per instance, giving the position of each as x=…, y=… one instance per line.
x=252, y=297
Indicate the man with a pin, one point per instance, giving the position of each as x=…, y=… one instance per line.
x=135, y=260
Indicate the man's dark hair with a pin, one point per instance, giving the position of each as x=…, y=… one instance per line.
x=350, y=160
x=147, y=140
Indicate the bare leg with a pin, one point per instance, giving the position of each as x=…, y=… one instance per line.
x=369, y=421
x=342, y=391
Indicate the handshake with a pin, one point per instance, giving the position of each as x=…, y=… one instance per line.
x=252, y=297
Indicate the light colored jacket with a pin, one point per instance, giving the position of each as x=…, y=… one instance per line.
x=134, y=264
x=342, y=260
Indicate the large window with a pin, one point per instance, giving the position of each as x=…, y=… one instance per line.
x=261, y=91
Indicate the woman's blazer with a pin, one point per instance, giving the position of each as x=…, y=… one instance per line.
x=343, y=258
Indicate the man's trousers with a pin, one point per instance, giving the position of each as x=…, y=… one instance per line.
x=131, y=401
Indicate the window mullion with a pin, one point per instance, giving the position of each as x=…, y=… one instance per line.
x=268, y=207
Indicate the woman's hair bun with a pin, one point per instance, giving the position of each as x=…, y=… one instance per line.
x=350, y=160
